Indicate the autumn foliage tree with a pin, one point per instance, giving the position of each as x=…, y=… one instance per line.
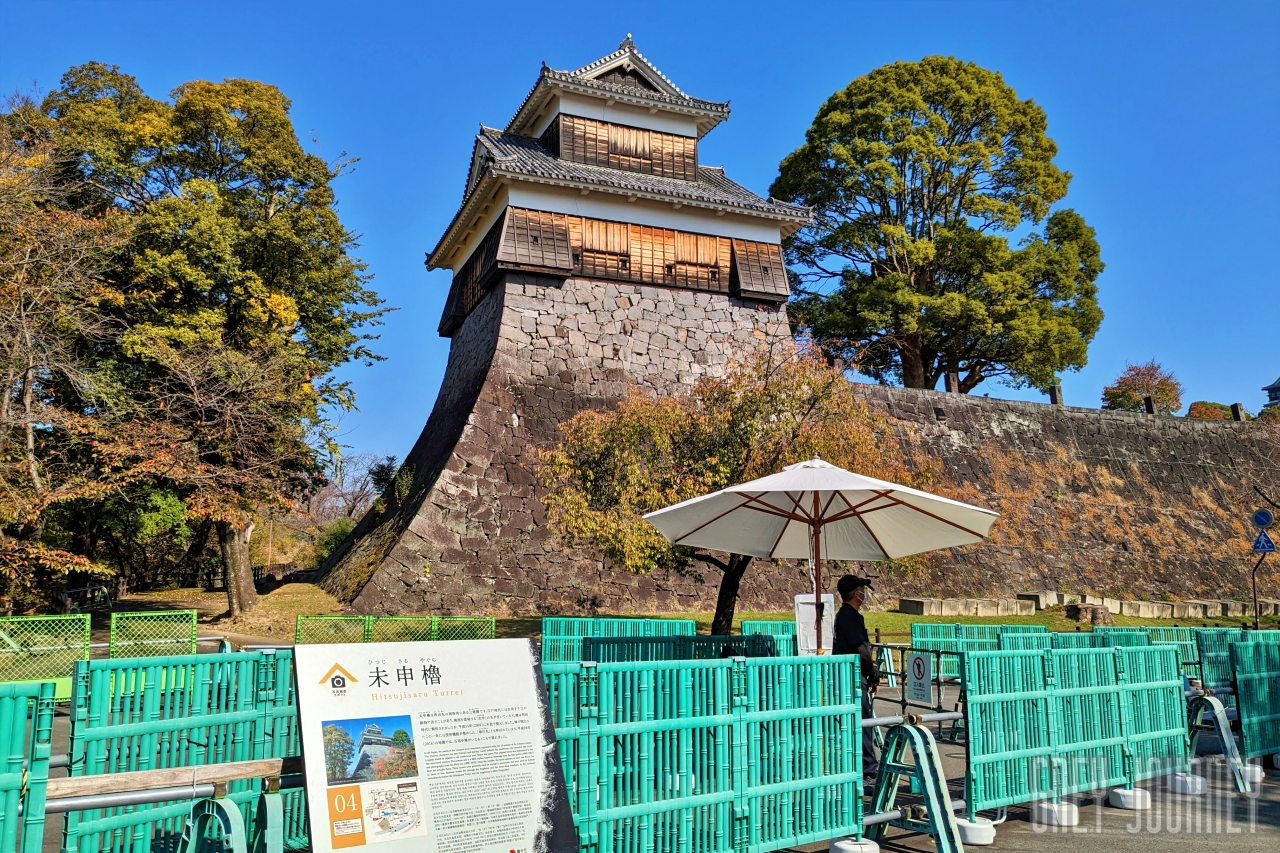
x=779, y=407
x=237, y=291
x=918, y=173
x=1138, y=381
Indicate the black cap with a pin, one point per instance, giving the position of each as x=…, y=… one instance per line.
x=847, y=584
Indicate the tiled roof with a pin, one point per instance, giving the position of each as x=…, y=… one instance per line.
x=584, y=78
x=510, y=155
x=522, y=156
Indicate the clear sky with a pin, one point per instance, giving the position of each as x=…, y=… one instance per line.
x=1167, y=114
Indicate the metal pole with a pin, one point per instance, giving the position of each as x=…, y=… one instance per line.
x=897, y=814
x=817, y=572
x=1255, y=589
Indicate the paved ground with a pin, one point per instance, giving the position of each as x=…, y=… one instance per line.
x=1221, y=820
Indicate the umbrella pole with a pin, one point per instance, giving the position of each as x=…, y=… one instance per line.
x=817, y=573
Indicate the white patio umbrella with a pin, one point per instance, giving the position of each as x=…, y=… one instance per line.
x=814, y=510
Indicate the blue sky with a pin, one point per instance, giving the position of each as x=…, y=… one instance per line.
x=1167, y=114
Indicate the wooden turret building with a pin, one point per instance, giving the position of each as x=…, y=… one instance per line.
x=591, y=252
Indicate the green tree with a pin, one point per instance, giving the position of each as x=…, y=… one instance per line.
x=239, y=287
x=614, y=466
x=1138, y=381
x=400, y=739
x=917, y=174
x=339, y=749
x=1206, y=410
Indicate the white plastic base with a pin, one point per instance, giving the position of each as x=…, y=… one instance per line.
x=851, y=845
x=1055, y=814
x=1188, y=784
x=1254, y=774
x=1136, y=799
x=979, y=833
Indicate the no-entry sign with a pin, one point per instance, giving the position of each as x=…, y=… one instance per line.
x=920, y=678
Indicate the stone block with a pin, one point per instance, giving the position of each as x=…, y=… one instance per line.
x=1161, y=610
x=1024, y=608
x=1232, y=608
x=1095, y=600
x=986, y=607
x=1065, y=598
x=1039, y=600
x=949, y=607
x=1112, y=604
x=920, y=606
x=1212, y=609
x=1179, y=609
x=1140, y=609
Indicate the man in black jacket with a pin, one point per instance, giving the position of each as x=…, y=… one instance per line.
x=852, y=639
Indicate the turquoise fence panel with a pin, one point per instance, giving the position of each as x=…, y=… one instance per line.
x=784, y=633
x=43, y=648
x=720, y=756
x=1025, y=642
x=26, y=732
x=922, y=632
x=1215, y=657
x=1256, y=670
x=1125, y=639
x=983, y=633
x=1023, y=629
x=1156, y=720
x=1073, y=640
x=153, y=713
x=620, y=649
x=803, y=774
x=562, y=635
x=1185, y=640
x=1042, y=725
x=136, y=635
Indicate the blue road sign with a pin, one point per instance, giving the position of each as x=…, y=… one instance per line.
x=1263, y=518
x=1263, y=544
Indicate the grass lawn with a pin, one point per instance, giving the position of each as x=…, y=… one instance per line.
x=277, y=610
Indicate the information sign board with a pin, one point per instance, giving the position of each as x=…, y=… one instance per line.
x=443, y=747
x=920, y=678
x=806, y=629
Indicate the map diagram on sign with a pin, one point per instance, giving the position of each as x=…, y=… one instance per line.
x=393, y=811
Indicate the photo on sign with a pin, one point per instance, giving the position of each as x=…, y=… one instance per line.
x=369, y=749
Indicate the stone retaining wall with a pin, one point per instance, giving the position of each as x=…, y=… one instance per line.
x=1106, y=503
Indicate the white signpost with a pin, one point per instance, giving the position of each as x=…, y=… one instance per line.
x=920, y=678
x=806, y=633
x=444, y=747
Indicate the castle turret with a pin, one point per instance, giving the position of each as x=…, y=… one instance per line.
x=591, y=252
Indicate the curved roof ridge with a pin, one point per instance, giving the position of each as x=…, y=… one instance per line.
x=628, y=48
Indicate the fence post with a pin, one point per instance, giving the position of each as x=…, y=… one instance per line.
x=738, y=752
x=588, y=769
x=1126, y=718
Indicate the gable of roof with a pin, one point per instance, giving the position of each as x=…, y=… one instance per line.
x=619, y=77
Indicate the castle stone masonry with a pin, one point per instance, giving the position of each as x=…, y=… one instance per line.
x=592, y=253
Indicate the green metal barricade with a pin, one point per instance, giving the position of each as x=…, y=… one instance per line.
x=562, y=635
x=392, y=629
x=43, y=648
x=1073, y=640
x=1025, y=642
x=1185, y=640
x=180, y=711
x=783, y=632
x=1023, y=629
x=621, y=649
x=464, y=627
x=26, y=733
x=1045, y=724
x=1215, y=657
x=710, y=756
x=331, y=629
x=136, y=635
x=1255, y=668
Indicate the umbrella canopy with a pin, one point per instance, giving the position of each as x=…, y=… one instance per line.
x=814, y=510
